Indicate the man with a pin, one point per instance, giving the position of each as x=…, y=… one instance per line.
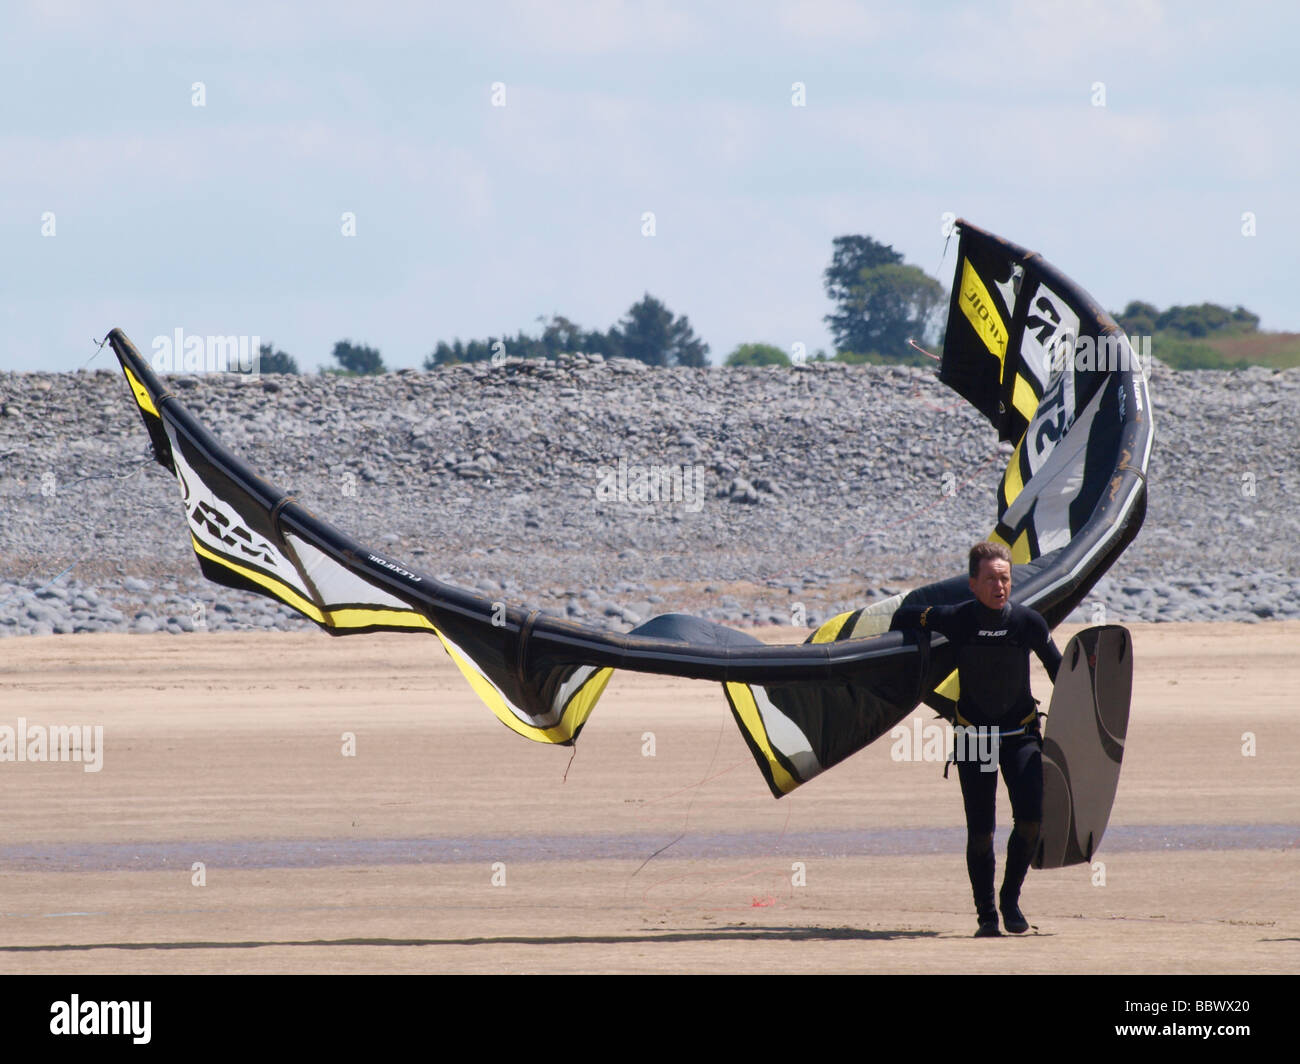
x=993, y=639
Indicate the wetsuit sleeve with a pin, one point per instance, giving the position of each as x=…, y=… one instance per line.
x=922, y=618
x=1045, y=648
x=937, y=619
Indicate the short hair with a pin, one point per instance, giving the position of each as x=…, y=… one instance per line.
x=985, y=549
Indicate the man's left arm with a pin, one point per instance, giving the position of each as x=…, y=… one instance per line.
x=1045, y=647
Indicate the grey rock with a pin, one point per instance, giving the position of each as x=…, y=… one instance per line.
x=830, y=486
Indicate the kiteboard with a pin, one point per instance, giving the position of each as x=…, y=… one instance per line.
x=1083, y=744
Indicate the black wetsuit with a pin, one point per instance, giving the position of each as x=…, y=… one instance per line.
x=993, y=670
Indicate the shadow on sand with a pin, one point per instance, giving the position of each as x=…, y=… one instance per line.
x=756, y=934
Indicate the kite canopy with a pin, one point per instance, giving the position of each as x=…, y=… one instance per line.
x=1024, y=344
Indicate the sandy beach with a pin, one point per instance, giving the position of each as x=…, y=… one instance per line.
x=296, y=803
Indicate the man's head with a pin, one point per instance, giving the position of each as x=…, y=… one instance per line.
x=990, y=574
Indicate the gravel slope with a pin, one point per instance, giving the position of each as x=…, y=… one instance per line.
x=823, y=487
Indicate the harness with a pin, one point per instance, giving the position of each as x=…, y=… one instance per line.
x=1028, y=726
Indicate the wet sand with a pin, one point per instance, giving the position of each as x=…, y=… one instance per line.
x=448, y=844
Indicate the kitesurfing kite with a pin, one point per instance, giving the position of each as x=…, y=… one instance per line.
x=1024, y=344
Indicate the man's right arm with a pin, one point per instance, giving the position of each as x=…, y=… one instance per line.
x=925, y=618
x=938, y=619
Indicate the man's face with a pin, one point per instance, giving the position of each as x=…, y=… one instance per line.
x=992, y=586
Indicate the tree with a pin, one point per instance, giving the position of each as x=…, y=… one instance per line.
x=884, y=308
x=652, y=335
x=757, y=355
x=271, y=361
x=1187, y=323
x=881, y=302
x=560, y=336
x=453, y=354
x=609, y=344
x=649, y=332
x=1193, y=337
x=444, y=355
x=1205, y=319
x=852, y=255
x=1138, y=318
x=358, y=359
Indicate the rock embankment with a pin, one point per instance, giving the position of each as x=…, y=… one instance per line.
x=608, y=492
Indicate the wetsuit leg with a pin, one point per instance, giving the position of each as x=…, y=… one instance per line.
x=979, y=791
x=1022, y=768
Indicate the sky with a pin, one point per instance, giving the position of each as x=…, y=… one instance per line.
x=502, y=162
